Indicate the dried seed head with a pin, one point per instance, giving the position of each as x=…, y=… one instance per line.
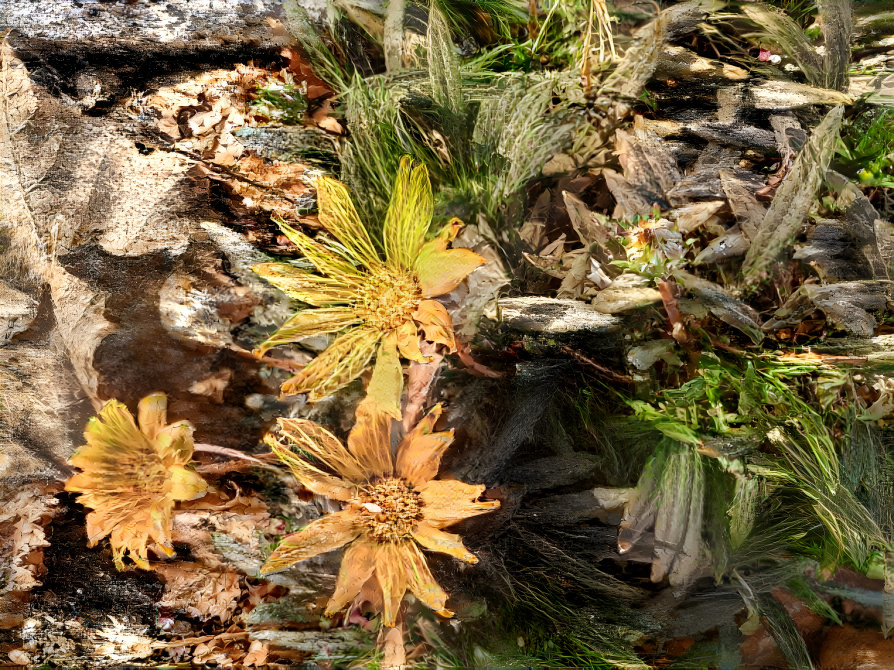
x=389, y=508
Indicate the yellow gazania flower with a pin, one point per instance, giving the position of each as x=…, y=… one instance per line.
x=132, y=477
x=378, y=305
x=392, y=507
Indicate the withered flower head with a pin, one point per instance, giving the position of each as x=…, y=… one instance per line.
x=378, y=304
x=133, y=475
x=392, y=507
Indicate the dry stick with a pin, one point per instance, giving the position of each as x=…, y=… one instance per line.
x=601, y=369
x=225, y=451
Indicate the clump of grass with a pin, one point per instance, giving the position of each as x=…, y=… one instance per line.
x=865, y=151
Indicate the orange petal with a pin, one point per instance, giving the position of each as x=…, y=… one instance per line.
x=338, y=216
x=421, y=582
x=436, y=323
x=370, y=440
x=409, y=214
x=356, y=568
x=392, y=577
x=408, y=342
x=322, y=445
x=440, y=270
x=340, y=364
x=325, y=534
x=419, y=453
x=174, y=443
x=387, y=379
x=152, y=413
x=450, y=501
x=309, y=322
x=446, y=543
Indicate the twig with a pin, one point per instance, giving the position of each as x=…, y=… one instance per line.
x=601, y=369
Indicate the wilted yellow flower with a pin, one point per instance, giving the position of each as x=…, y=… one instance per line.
x=132, y=477
x=392, y=507
x=377, y=304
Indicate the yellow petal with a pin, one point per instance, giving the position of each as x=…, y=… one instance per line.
x=440, y=270
x=436, y=323
x=310, y=476
x=409, y=214
x=387, y=380
x=323, y=257
x=421, y=582
x=174, y=443
x=326, y=534
x=322, y=445
x=111, y=432
x=152, y=413
x=338, y=216
x=186, y=484
x=446, y=543
x=370, y=440
x=419, y=453
x=305, y=286
x=308, y=322
x=392, y=577
x=408, y=342
x=337, y=366
x=356, y=568
x=449, y=501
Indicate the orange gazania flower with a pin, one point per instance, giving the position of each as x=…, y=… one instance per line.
x=393, y=508
x=132, y=477
x=378, y=303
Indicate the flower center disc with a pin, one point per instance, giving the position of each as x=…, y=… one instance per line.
x=388, y=299
x=389, y=508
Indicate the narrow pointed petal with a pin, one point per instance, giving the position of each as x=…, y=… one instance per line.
x=409, y=214
x=111, y=432
x=311, y=477
x=450, y=501
x=421, y=582
x=337, y=366
x=305, y=286
x=322, y=445
x=436, y=323
x=392, y=577
x=440, y=270
x=152, y=413
x=387, y=380
x=408, y=342
x=370, y=440
x=338, y=216
x=356, y=568
x=325, y=534
x=419, y=453
x=446, y=543
x=309, y=322
x=323, y=258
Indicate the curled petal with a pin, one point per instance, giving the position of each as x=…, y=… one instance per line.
x=322, y=445
x=419, y=453
x=174, y=443
x=446, y=543
x=309, y=322
x=306, y=286
x=392, y=578
x=436, y=323
x=440, y=270
x=370, y=440
x=450, y=501
x=409, y=214
x=421, y=582
x=152, y=413
x=408, y=342
x=338, y=216
x=356, y=568
x=337, y=366
x=186, y=484
x=325, y=534
x=387, y=379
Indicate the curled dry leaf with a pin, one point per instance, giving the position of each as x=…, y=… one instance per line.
x=23, y=519
x=393, y=508
x=199, y=592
